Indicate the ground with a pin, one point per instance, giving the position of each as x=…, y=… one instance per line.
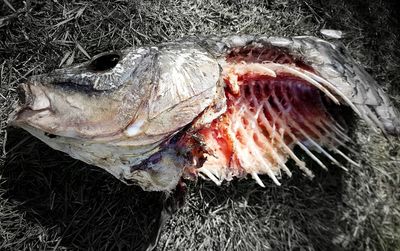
x=50, y=201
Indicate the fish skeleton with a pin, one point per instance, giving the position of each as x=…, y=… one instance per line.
x=214, y=107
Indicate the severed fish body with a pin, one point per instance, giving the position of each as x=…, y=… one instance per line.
x=212, y=107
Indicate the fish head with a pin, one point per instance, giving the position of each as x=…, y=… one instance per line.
x=85, y=101
x=120, y=108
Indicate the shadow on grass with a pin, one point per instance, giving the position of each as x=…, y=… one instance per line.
x=89, y=209
x=301, y=214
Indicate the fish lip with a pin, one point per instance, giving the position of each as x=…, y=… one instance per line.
x=31, y=95
x=32, y=100
x=22, y=90
x=21, y=114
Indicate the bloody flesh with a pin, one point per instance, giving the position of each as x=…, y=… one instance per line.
x=266, y=117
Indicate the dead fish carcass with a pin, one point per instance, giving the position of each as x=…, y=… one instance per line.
x=213, y=107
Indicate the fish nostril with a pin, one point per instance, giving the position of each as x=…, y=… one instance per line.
x=50, y=135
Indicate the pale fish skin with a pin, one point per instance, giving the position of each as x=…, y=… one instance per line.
x=124, y=111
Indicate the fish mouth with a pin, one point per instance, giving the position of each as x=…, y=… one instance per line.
x=33, y=97
x=32, y=102
x=47, y=108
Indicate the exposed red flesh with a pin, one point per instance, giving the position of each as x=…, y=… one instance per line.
x=266, y=117
x=261, y=54
x=290, y=104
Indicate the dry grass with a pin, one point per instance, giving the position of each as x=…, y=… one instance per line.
x=50, y=201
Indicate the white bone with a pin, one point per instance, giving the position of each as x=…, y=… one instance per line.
x=309, y=153
x=241, y=69
x=256, y=153
x=346, y=157
x=276, y=156
x=270, y=148
x=210, y=175
x=259, y=157
x=318, y=133
x=257, y=179
x=299, y=163
x=333, y=88
x=323, y=151
x=297, y=73
x=310, y=126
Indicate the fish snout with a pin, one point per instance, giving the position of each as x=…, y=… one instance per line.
x=22, y=95
x=32, y=102
x=32, y=97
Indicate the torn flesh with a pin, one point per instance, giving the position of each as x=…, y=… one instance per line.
x=271, y=108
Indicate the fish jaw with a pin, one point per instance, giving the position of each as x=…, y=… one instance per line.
x=69, y=115
x=153, y=167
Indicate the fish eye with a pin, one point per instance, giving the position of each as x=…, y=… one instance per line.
x=104, y=62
